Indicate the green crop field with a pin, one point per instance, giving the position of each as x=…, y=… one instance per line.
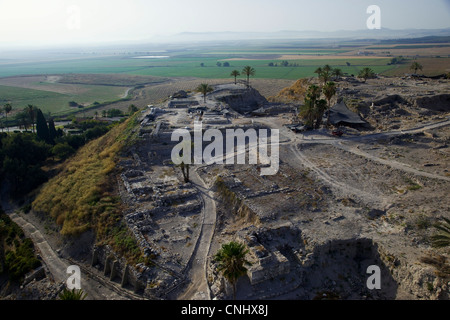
x=189, y=65
x=107, y=78
x=57, y=103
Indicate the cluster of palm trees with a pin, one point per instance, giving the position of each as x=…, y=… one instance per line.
x=327, y=73
x=205, y=88
x=247, y=71
x=314, y=107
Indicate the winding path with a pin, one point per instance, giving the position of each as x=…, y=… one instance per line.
x=295, y=141
x=198, y=288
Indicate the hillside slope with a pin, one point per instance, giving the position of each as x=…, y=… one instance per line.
x=83, y=196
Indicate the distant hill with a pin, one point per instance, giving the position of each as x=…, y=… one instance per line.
x=381, y=34
x=429, y=39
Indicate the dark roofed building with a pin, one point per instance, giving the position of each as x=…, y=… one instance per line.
x=341, y=115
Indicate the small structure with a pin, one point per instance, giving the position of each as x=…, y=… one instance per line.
x=341, y=115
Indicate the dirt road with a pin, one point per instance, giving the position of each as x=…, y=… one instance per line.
x=198, y=288
x=96, y=289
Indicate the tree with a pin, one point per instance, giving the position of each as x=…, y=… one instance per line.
x=235, y=74
x=248, y=71
x=1, y=123
x=185, y=166
x=232, y=262
x=327, y=68
x=366, y=73
x=32, y=114
x=324, y=73
x=111, y=113
x=226, y=64
x=204, y=89
x=7, y=108
x=53, y=134
x=337, y=73
x=329, y=90
x=313, y=108
x=41, y=127
x=62, y=150
x=23, y=118
x=73, y=294
x=219, y=64
x=185, y=171
x=416, y=66
x=318, y=71
x=132, y=109
x=442, y=237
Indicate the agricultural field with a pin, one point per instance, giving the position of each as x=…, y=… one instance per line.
x=119, y=79
x=52, y=96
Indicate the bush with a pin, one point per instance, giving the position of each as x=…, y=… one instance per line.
x=63, y=150
x=95, y=132
x=19, y=257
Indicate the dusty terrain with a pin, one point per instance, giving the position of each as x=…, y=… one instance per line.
x=335, y=207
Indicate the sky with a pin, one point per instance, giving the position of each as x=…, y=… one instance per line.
x=61, y=22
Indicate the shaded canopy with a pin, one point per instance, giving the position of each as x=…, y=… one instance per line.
x=340, y=114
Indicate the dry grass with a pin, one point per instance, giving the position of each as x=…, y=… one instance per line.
x=296, y=92
x=83, y=195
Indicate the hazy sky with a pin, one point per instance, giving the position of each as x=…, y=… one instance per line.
x=56, y=22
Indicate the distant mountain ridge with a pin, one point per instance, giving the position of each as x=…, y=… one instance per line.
x=377, y=34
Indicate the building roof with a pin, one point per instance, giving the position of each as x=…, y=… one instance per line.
x=341, y=114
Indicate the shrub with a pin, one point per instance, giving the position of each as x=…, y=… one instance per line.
x=62, y=150
x=73, y=294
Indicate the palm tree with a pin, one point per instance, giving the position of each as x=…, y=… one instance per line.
x=337, y=73
x=313, y=108
x=442, y=237
x=319, y=72
x=324, y=73
x=366, y=73
x=232, y=262
x=319, y=110
x=7, y=108
x=32, y=114
x=235, y=74
x=329, y=90
x=248, y=71
x=416, y=66
x=204, y=89
x=72, y=294
x=327, y=68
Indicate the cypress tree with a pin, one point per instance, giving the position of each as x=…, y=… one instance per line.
x=52, y=130
x=41, y=127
